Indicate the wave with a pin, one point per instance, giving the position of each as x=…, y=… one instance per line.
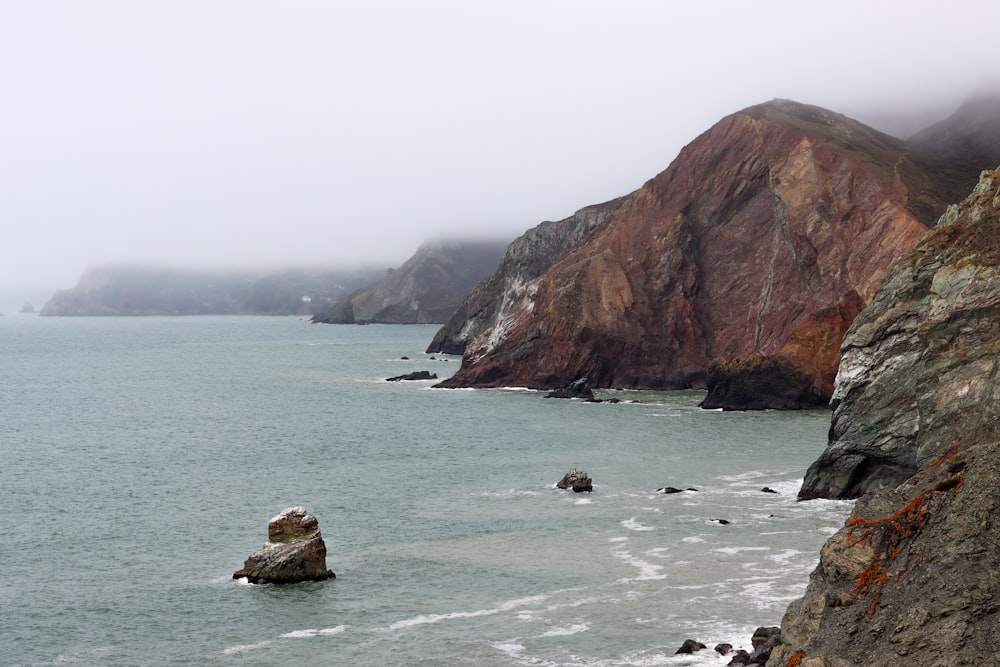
x=510, y=605
x=320, y=632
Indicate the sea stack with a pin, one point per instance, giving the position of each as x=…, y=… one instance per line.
x=294, y=552
x=576, y=479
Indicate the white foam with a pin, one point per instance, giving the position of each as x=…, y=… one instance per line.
x=647, y=571
x=617, y=539
x=692, y=539
x=566, y=631
x=424, y=619
x=732, y=551
x=633, y=524
x=243, y=648
x=583, y=501
x=314, y=632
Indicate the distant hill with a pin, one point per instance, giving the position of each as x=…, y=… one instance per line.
x=142, y=290
x=427, y=288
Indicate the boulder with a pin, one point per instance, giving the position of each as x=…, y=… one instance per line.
x=576, y=479
x=690, y=646
x=294, y=552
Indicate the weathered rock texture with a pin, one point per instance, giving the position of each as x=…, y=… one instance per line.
x=528, y=257
x=427, y=288
x=913, y=578
x=294, y=552
x=577, y=480
x=772, y=217
x=919, y=365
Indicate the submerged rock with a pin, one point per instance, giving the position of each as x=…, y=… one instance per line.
x=415, y=375
x=576, y=479
x=294, y=552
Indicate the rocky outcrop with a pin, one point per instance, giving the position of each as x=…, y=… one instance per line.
x=415, y=375
x=295, y=552
x=427, y=288
x=577, y=389
x=912, y=578
x=577, y=480
x=919, y=365
x=524, y=260
x=761, y=226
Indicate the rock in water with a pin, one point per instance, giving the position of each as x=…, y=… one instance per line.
x=576, y=479
x=576, y=389
x=294, y=552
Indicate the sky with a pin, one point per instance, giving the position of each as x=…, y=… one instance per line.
x=237, y=133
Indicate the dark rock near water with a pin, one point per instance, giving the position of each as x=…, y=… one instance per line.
x=674, y=489
x=723, y=649
x=575, y=389
x=740, y=659
x=767, y=489
x=690, y=646
x=577, y=480
x=415, y=375
x=295, y=552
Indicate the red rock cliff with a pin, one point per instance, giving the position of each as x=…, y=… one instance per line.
x=760, y=226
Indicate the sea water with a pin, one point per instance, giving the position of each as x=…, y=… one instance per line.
x=141, y=459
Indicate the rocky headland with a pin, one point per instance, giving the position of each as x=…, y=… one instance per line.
x=427, y=288
x=913, y=578
x=745, y=260
x=524, y=260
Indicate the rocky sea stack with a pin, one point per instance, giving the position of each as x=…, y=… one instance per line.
x=913, y=578
x=295, y=552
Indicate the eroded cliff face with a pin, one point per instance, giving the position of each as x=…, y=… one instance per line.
x=919, y=365
x=760, y=225
x=913, y=578
x=524, y=260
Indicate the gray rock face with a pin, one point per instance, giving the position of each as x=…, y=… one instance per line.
x=913, y=578
x=919, y=366
x=528, y=257
x=427, y=288
x=294, y=552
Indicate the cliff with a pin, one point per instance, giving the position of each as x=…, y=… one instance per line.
x=143, y=290
x=528, y=257
x=918, y=366
x=427, y=288
x=762, y=225
x=913, y=578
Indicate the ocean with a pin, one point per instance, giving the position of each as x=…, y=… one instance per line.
x=141, y=459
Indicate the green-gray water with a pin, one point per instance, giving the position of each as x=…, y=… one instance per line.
x=141, y=458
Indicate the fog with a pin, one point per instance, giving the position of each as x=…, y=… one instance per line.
x=242, y=132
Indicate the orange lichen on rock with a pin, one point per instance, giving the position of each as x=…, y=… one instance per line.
x=888, y=536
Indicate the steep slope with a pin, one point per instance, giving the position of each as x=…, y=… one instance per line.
x=913, y=578
x=919, y=365
x=427, y=288
x=773, y=216
x=528, y=257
